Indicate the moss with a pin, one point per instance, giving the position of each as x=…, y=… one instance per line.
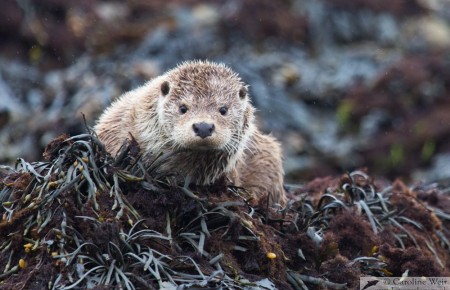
x=353, y=235
x=396, y=155
x=412, y=259
x=339, y=270
x=428, y=150
x=344, y=113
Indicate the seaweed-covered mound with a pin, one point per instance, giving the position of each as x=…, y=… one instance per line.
x=86, y=220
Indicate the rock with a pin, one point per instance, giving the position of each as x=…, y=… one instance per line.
x=439, y=170
x=10, y=105
x=426, y=33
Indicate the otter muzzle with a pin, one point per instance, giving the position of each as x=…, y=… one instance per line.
x=203, y=129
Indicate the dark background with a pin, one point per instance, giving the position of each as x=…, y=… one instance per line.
x=342, y=84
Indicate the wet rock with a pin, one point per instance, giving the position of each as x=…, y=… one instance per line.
x=438, y=171
x=279, y=20
x=10, y=105
x=426, y=33
x=332, y=74
x=399, y=8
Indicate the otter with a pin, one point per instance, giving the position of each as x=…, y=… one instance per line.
x=201, y=112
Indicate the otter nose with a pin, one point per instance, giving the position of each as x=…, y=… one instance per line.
x=203, y=129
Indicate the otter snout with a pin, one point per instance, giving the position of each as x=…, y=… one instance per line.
x=203, y=129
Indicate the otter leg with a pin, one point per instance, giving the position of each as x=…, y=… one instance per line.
x=261, y=169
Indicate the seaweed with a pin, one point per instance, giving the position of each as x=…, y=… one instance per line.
x=84, y=219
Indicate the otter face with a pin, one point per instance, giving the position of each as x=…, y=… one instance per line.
x=204, y=107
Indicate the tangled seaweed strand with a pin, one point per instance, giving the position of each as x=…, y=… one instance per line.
x=84, y=219
x=384, y=212
x=60, y=209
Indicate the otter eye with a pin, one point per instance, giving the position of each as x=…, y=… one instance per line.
x=183, y=109
x=242, y=93
x=223, y=110
x=165, y=88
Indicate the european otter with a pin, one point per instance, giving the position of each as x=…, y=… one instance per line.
x=201, y=111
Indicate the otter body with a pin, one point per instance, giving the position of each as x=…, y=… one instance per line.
x=201, y=112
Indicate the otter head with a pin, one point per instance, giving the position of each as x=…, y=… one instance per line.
x=204, y=106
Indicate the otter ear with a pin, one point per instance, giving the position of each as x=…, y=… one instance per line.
x=243, y=93
x=165, y=88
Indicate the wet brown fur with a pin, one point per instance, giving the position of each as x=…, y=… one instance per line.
x=236, y=149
